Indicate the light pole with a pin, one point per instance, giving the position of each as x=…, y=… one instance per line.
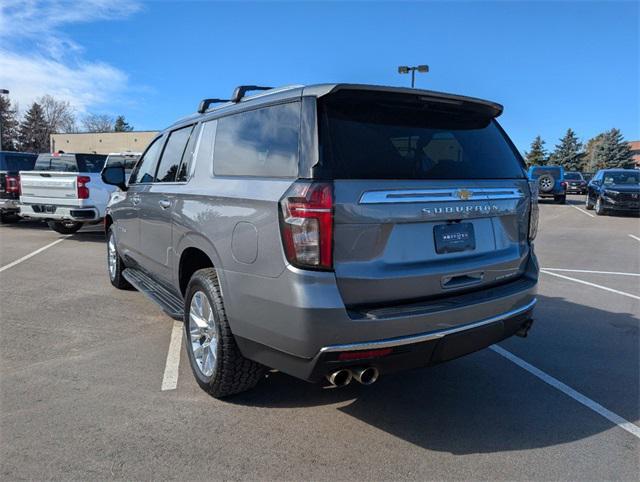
x=405, y=69
x=2, y=91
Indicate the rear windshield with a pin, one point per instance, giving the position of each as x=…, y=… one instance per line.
x=573, y=176
x=363, y=136
x=70, y=162
x=17, y=162
x=622, y=177
x=551, y=171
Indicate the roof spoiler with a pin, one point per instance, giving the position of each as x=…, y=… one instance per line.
x=241, y=90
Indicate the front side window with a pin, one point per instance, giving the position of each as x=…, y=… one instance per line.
x=261, y=142
x=172, y=155
x=146, y=168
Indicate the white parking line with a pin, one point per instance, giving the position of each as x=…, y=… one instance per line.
x=591, y=271
x=582, y=211
x=170, y=378
x=567, y=390
x=634, y=237
x=31, y=255
x=623, y=293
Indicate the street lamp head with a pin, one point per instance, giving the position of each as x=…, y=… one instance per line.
x=423, y=68
x=4, y=91
x=403, y=69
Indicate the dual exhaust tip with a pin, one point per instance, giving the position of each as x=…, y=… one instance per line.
x=344, y=376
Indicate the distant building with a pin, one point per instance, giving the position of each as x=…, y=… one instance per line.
x=635, y=151
x=102, y=142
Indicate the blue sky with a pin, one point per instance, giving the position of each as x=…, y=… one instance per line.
x=553, y=65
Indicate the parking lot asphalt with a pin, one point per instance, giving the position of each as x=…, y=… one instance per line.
x=82, y=364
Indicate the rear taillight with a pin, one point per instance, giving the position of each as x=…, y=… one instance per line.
x=83, y=190
x=12, y=184
x=306, y=225
x=563, y=184
x=533, y=210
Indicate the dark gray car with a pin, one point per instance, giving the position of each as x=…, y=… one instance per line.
x=330, y=231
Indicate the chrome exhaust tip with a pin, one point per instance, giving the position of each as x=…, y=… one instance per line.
x=366, y=376
x=340, y=378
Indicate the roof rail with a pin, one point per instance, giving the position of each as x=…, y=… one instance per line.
x=241, y=90
x=204, y=105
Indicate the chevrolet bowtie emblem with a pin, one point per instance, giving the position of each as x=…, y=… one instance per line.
x=464, y=194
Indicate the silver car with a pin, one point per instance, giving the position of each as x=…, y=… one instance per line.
x=333, y=232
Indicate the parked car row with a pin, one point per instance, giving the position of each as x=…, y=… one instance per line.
x=63, y=189
x=608, y=189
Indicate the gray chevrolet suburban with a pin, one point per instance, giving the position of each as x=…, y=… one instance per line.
x=333, y=232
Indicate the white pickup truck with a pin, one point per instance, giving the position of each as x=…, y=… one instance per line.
x=65, y=190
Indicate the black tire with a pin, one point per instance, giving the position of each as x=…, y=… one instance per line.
x=600, y=210
x=9, y=218
x=116, y=278
x=560, y=199
x=232, y=373
x=65, y=227
x=588, y=204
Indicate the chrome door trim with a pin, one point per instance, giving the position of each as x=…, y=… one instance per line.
x=407, y=340
x=440, y=195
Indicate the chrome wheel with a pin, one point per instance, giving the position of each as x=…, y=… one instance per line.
x=203, y=334
x=112, y=257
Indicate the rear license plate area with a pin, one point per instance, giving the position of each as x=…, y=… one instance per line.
x=453, y=238
x=44, y=208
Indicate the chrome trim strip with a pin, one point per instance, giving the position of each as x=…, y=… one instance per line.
x=407, y=340
x=439, y=195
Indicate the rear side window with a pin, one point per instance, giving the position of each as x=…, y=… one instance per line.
x=400, y=137
x=70, y=162
x=146, y=167
x=17, y=162
x=172, y=155
x=261, y=142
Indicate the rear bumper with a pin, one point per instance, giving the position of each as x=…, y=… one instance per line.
x=59, y=213
x=576, y=190
x=301, y=327
x=9, y=205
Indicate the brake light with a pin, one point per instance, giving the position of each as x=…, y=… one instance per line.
x=534, y=210
x=563, y=184
x=306, y=225
x=83, y=190
x=12, y=184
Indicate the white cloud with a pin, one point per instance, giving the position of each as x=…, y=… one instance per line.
x=38, y=58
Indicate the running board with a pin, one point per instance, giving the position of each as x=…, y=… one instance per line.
x=170, y=303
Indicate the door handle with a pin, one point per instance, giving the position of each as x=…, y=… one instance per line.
x=135, y=199
x=164, y=203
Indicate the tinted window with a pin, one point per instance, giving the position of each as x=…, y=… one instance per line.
x=17, y=162
x=399, y=137
x=172, y=155
x=539, y=171
x=70, y=162
x=147, y=165
x=128, y=162
x=262, y=142
x=573, y=176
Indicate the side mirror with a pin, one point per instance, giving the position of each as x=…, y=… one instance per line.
x=114, y=176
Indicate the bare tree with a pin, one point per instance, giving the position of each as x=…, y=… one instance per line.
x=98, y=123
x=58, y=114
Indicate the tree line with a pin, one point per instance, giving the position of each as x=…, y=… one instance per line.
x=606, y=150
x=31, y=132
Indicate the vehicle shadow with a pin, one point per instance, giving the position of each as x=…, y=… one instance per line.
x=482, y=403
x=26, y=224
x=91, y=234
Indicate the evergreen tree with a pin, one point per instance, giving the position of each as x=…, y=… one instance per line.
x=33, y=131
x=590, y=153
x=569, y=153
x=613, y=151
x=537, y=156
x=122, y=125
x=8, y=124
